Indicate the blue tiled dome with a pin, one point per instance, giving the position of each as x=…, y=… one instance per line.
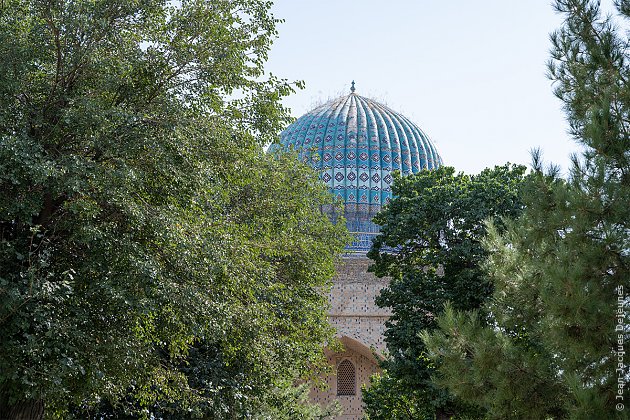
x=357, y=143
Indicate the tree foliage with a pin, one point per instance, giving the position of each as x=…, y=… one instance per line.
x=151, y=253
x=389, y=398
x=550, y=343
x=430, y=247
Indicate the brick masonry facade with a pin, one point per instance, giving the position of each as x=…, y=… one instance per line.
x=360, y=326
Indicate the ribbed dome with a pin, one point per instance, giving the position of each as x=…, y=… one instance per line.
x=357, y=143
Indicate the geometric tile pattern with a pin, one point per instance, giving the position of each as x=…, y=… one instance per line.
x=356, y=143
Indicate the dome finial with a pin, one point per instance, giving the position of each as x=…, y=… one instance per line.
x=352, y=87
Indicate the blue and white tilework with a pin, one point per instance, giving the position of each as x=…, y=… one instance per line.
x=357, y=143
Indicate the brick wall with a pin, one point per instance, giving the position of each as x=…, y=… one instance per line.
x=355, y=315
x=351, y=405
x=353, y=311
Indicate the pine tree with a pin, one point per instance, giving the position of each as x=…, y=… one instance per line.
x=548, y=344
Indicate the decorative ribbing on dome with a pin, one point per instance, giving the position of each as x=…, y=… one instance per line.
x=357, y=143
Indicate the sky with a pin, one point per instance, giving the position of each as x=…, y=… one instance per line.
x=471, y=74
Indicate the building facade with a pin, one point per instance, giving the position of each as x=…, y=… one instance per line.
x=356, y=144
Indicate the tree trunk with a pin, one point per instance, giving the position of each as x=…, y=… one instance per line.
x=441, y=415
x=22, y=410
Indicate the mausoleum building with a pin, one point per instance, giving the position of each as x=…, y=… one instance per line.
x=356, y=143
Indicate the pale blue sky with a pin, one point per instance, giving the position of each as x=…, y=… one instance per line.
x=471, y=74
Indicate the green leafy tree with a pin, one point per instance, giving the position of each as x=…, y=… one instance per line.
x=151, y=253
x=389, y=398
x=275, y=253
x=550, y=343
x=430, y=247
